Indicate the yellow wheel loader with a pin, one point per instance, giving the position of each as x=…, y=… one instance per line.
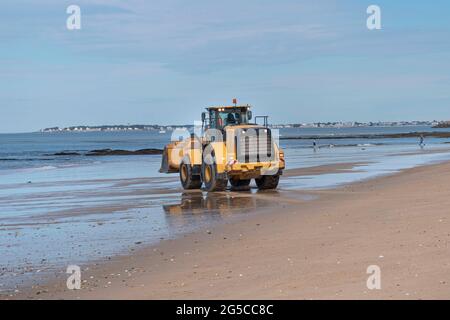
x=226, y=148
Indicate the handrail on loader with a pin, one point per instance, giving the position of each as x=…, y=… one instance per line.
x=266, y=121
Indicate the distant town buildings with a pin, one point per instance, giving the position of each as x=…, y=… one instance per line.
x=107, y=128
x=350, y=124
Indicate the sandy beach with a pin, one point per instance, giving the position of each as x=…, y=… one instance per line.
x=317, y=249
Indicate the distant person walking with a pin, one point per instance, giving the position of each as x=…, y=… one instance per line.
x=315, y=145
x=422, y=141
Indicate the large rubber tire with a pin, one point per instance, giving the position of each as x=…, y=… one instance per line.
x=268, y=182
x=188, y=180
x=240, y=185
x=211, y=178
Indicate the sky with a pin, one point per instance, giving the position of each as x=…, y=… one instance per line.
x=164, y=61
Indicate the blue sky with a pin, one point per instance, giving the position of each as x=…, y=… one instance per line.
x=164, y=61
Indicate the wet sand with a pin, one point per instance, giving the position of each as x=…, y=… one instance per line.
x=316, y=249
x=46, y=226
x=323, y=169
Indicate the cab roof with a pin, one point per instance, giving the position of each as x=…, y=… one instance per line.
x=228, y=107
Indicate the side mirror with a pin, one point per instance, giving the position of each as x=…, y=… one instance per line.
x=249, y=115
x=203, y=116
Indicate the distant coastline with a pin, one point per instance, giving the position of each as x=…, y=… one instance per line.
x=165, y=128
x=106, y=128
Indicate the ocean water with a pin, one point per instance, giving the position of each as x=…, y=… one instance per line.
x=61, y=210
x=29, y=152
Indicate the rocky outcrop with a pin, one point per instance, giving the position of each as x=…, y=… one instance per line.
x=67, y=153
x=111, y=152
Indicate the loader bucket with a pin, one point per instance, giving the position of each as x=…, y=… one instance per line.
x=165, y=162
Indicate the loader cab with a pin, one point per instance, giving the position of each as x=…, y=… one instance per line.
x=221, y=117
